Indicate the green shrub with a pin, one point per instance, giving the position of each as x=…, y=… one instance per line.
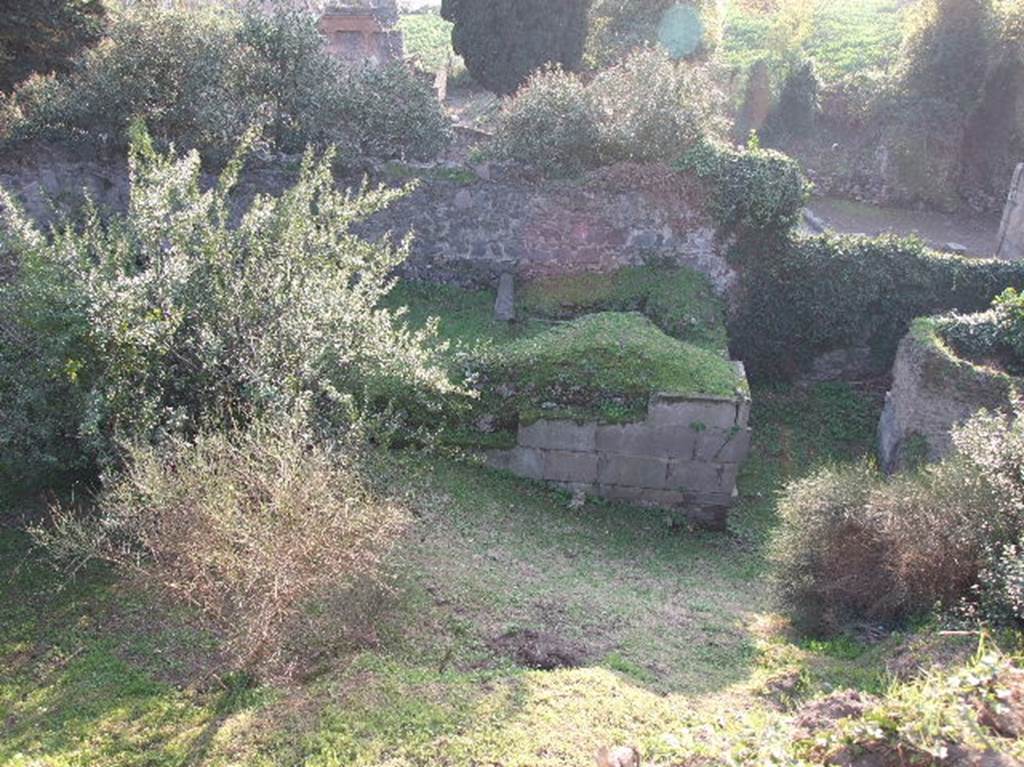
x=854, y=546
x=752, y=190
x=551, y=124
x=273, y=538
x=169, y=319
x=806, y=296
x=201, y=79
x=504, y=41
x=45, y=36
x=797, y=110
x=651, y=108
x=646, y=108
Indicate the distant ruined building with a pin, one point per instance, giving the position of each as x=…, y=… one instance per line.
x=363, y=32
x=360, y=31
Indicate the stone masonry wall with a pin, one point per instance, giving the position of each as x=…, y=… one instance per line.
x=469, y=227
x=932, y=392
x=685, y=456
x=1010, y=244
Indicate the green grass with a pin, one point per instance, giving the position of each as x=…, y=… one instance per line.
x=673, y=630
x=679, y=301
x=428, y=40
x=844, y=37
x=605, y=365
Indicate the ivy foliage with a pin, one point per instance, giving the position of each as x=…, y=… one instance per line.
x=504, y=41
x=752, y=189
x=806, y=296
x=996, y=335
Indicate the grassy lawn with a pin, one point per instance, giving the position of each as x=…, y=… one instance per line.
x=663, y=631
x=842, y=37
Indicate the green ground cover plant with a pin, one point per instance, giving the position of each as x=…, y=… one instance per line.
x=91, y=674
x=607, y=364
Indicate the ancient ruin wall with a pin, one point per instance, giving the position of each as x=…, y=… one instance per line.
x=933, y=391
x=470, y=229
x=1010, y=245
x=686, y=455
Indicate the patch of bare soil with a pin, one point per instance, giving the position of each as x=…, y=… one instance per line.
x=930, y=651
x=538, y=650
x=820, y=715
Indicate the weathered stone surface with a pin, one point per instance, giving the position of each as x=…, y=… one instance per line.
x=505, y=304
x=723, y=445
x=634, y=471
x=683, y=466
x=644, y=439
x=697, y=413
x=522, y=461
x=559, y=435
x=700, y=478
x=1010, y=244
x=572, y=467
x=931, y=393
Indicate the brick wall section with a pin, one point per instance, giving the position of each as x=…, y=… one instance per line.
x=686, y=455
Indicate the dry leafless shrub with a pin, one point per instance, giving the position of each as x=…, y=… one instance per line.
x=270, y=536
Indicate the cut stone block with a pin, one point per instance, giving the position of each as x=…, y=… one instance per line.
x=701, y=478
x=521, y=461
x=699, y=414
x=723, y=445
x=633, y=471
x=559, y=435
x=568, y=466
x=505, y=304
x=646, y=440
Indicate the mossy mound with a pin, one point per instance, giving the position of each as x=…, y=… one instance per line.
x=679, y=301
x=603, y=366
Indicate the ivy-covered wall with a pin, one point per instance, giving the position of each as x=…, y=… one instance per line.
x=801, y=297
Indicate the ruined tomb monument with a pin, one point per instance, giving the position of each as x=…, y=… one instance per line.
x=1010, y=245
x=363, y=32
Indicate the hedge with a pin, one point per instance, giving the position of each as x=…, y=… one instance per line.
x=805, y=296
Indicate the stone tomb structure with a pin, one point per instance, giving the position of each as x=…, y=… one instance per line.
x=1010, y=245
x=934, y=391
x=685, y=456
x=359, y=34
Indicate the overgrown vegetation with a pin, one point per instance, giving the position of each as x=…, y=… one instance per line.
x=691, y=29
x=46, y=36
x=805, y=296
x=645, y=108
x=604, y=364
x=170, y=319
x=995, y=336
x=276, y=540
x=201, y=78
x=754, y=192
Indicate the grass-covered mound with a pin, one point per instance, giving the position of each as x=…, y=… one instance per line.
x=586, y=346
x=603, y=366
x=681, y=302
